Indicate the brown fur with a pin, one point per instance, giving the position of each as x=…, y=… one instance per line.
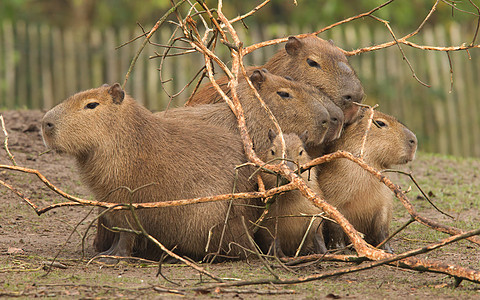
x=358, y=195
x=302, y=110
x=119, y=143
x=313, y=61
x=286, y=234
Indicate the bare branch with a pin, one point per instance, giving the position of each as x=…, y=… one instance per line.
x=5, y=142
x=147, y=38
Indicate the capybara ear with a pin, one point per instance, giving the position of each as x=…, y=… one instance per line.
x=304, y=137
x=257, y=78
x=105, y=85
x=293, y=45
x=331, y=42
x=117, y=93
x=271, y=135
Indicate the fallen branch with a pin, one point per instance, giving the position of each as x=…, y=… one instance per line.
x=404, y=260
x=398, y=192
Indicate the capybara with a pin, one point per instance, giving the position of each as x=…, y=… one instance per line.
x=310, y=60
x=119, y=144
x=277, y=230
x=359, y=196
x=296, y=106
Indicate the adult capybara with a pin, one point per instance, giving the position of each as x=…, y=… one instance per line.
x=310, y=60
x=358, y=195
x=119, y=144
x=277, y=230
x=296, y=106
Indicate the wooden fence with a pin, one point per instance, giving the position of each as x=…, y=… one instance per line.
x=40, y=66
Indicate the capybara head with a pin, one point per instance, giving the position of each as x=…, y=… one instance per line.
x=321, y=64
x=296, y=106
x=389, y=142
x=294, y=148
x=80, y=123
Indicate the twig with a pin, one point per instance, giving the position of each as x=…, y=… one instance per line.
x=116, y=206
x=147, y=38
x=172, y=254
x=166, y=290
x=255, y=248
x=478, y=22
x=65, y=243
x=410, y=175
x=5, y=142
x=396, y=232
x=400, y=48
x=451, y=70
x=258, y=7
x=404, y=260
x=254, y=47
x=256, y=292
x=20, y=194
x=398, y=193
x=369, y=124
x=305, y=236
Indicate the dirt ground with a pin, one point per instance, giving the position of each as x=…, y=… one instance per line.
x=28, y=243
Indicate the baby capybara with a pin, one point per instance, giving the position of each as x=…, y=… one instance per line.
x=284, y=226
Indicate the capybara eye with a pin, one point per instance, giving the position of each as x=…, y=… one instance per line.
x=272, y=152
x=283, y=94
x=312, y=63
x=92, y=105
x=300, y=153
x=379, y=123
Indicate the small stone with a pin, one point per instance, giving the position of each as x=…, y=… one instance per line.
x=12, y=250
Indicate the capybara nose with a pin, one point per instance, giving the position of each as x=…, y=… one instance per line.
x=356, y=94
x=334, y=121
x=347, y=98
x=48, y=127
x=412, y=139
x=324, y=123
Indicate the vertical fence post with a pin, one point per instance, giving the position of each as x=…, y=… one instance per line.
x=10, y=63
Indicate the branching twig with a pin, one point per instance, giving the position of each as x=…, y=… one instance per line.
x=421, y=190
x=396, y=232
x=147, y=38
x=365, y=135
x=172, y=254
x=398, y=193
x=404, y=260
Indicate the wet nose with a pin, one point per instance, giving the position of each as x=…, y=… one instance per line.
x=413, y=142
x=411, y=139
x=334, y=122
x=48, y=125
x=355, y=94
x=347, y=98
